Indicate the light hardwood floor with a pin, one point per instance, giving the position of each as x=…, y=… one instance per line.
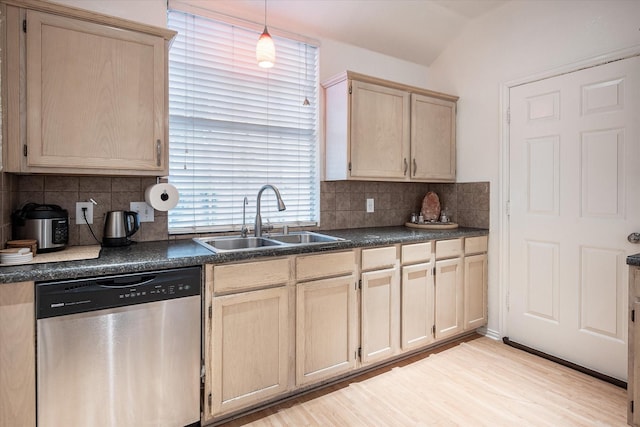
x=479, y=382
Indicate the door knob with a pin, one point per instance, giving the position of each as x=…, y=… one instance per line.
x=634, y=237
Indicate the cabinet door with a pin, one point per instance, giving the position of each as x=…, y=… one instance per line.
x=433, y=139
x=417, y=305
x=634, y=366
x=326, y=341
x=95, y=97
x=17, y=355
x=449, y=299
x=250, y=348
x=475, y=291
x=380, y=314
x=379, y=132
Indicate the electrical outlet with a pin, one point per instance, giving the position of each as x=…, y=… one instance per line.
x=370, y=205
x=80, y=216
x=145, y=212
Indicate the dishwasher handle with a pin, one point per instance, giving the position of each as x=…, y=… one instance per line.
x=117, y=284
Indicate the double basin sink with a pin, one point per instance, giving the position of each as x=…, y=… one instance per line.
x=274, y=241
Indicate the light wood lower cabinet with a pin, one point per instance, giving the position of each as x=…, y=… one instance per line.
x=417, y=305
x=246, y=334
x=475, y=291
x=633, y=380
x=17, y=355
x=449, y=289
x=250, y=348
x=380, y=304
x=326, y=328
x=449, y=302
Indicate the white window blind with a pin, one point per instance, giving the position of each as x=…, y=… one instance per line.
x=234, y=127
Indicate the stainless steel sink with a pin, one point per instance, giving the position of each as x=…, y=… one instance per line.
x=303, y=237
x=274, y=241
x=234, y=243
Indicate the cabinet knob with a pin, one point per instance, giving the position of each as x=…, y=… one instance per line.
x=634, y=238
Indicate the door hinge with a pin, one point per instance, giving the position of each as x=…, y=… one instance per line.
x=210, y=312
x=633, y=315
x=509, y=115
x=507, y=208
x=24, y=150
x=24, y=25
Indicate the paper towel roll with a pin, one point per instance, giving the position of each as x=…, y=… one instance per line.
x=162, y=197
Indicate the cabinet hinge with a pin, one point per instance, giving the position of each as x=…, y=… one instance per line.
x=210, y=312
x=158, y=153
x=24, y=150
x=360, y=352
x=433, y=272
x=631, y=403
x=24, y=25
x=360, y=284
x=350, y=89
x=633, y=315
x=209, y=400
x=433, y=330
x=349, y=166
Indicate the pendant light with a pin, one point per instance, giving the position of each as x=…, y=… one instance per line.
x=265, y=50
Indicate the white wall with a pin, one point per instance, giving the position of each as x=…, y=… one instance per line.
x=335, y=57
x=518, y=40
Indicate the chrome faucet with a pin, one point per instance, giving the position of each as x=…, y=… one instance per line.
x=244, y=230
x=257, y=227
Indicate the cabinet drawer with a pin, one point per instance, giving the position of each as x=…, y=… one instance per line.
x=419, y=252
x=475, y=245
x=325, y=265
x=240, y=277
x=378, y=257
x=448, y=248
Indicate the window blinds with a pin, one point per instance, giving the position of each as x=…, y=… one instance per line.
x=234, y=127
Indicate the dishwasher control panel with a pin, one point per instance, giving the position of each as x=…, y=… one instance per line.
x=82, y=295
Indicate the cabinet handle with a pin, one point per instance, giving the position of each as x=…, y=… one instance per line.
x=415, y=166
x=158, y=153
x=406, y=166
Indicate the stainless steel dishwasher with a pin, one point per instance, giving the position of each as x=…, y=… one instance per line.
x=119, y=351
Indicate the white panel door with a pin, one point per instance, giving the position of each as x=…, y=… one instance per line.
x=574, y=197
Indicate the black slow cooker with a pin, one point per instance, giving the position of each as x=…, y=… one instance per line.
x=48, y=224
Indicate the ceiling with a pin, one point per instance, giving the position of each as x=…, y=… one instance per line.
x=412, y=30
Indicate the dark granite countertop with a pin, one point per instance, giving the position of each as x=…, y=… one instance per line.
x=157, y=255
x=634, y=260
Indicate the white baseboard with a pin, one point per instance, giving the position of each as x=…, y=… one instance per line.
x=490, y=333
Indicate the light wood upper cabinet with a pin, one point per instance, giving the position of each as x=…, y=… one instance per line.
x=89, y=95
x=17, y=355
x=381, y=130
x=433, y=139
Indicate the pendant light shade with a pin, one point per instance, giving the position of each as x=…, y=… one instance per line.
x=266, y=49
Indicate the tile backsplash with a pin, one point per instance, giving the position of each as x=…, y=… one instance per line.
x=342, y=203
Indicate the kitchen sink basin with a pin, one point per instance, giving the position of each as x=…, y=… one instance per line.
x=274, y=241
x=235, y=243
x=303, y=237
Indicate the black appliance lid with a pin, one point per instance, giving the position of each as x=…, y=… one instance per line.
x=38, y=211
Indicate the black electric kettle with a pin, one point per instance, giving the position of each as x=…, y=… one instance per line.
x=119, y=226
